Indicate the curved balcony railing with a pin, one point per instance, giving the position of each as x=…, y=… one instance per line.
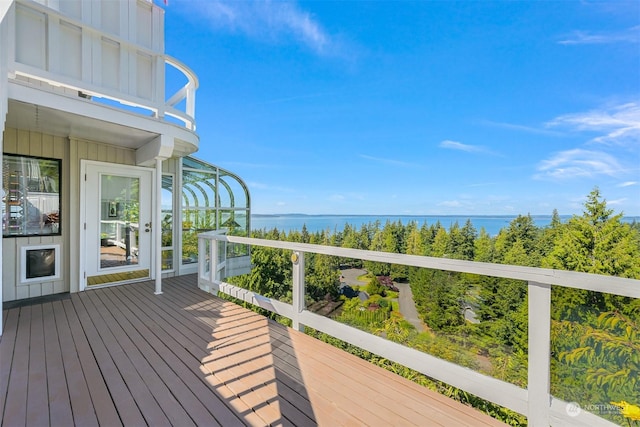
x=186, y=93
x=535, y=402
x=74, y=57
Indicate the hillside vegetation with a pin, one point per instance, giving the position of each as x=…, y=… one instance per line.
x=595, y=336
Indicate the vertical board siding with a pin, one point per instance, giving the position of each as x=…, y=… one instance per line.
x=38, y=144
x=56, y=46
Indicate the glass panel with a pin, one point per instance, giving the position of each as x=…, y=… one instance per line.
x=30, y=196
x=167, y=211
x=189, y=247
x=167, y=222
x=167, y=260
x=232, y=192
x=199, y=188
x=190, y=162
x=119, y=211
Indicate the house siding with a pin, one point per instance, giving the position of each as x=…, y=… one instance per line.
x=70, y=151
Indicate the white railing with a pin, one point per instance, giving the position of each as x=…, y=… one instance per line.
x=187, y=93
x=76, y=57
x=535, y=402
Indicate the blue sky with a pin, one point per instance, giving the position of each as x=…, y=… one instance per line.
x=425, y=108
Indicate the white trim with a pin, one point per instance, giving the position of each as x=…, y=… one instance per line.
x=156, y=228
x=174, y=216
x=23, y=263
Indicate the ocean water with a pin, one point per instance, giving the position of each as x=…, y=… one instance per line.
x=333, y=223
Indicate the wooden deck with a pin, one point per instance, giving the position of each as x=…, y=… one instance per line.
x=124, y=356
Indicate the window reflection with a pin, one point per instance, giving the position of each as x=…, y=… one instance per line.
x=30, y=196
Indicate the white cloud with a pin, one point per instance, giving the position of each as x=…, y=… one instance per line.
x=391, y=162
x=627, y=184
x=619, y=124
x=455, y=145
x=629, y=35
x=578, y=163
x=520, y=128
x=616, y=202
x=266, y=19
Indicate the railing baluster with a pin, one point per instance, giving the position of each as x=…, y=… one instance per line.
x=539, y=354
x=298, y=289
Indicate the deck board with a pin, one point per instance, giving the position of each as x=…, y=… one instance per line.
x=77, y=378
x=167, y=367
x=6, y=353
x=124, y=356
x=58, y=394
x=171, y=344
x=37, y=398
x=15, y=412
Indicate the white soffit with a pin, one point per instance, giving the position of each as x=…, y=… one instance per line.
x=67, y=116
x=61, y=123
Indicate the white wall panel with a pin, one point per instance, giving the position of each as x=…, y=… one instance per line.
x=143, y=24
x=110, y=64
x=110, y=17
x=31, y=37
x=70, y=50
x=72, y=8
x=144, y=81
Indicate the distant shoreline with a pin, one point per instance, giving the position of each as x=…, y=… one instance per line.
x=492, y=224
x=300, y=215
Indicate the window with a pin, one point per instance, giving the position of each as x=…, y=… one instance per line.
x=167, y=222
x=30, y=196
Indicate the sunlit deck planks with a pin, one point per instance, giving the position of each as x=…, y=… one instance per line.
x=124, y=356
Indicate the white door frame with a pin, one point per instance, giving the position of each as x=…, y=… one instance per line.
x=86, y=165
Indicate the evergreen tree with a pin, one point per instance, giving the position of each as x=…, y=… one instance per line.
x=483, y=247
x=305, y=234
x=596, y=242
x=415, y=244
x=378, y=245
x=467, y=241
x=440, y=244
x=549, y=235
x=439, y=297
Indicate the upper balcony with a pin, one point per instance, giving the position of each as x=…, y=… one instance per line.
x=104, y=53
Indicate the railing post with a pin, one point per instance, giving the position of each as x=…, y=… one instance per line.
x=298, y=289
x=213, y=260
x=202, y=258
x=539, y=394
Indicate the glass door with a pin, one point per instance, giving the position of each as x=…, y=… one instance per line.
x=118, y=223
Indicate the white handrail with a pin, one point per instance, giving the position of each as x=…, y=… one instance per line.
x=156, y=104
x=535, y=402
